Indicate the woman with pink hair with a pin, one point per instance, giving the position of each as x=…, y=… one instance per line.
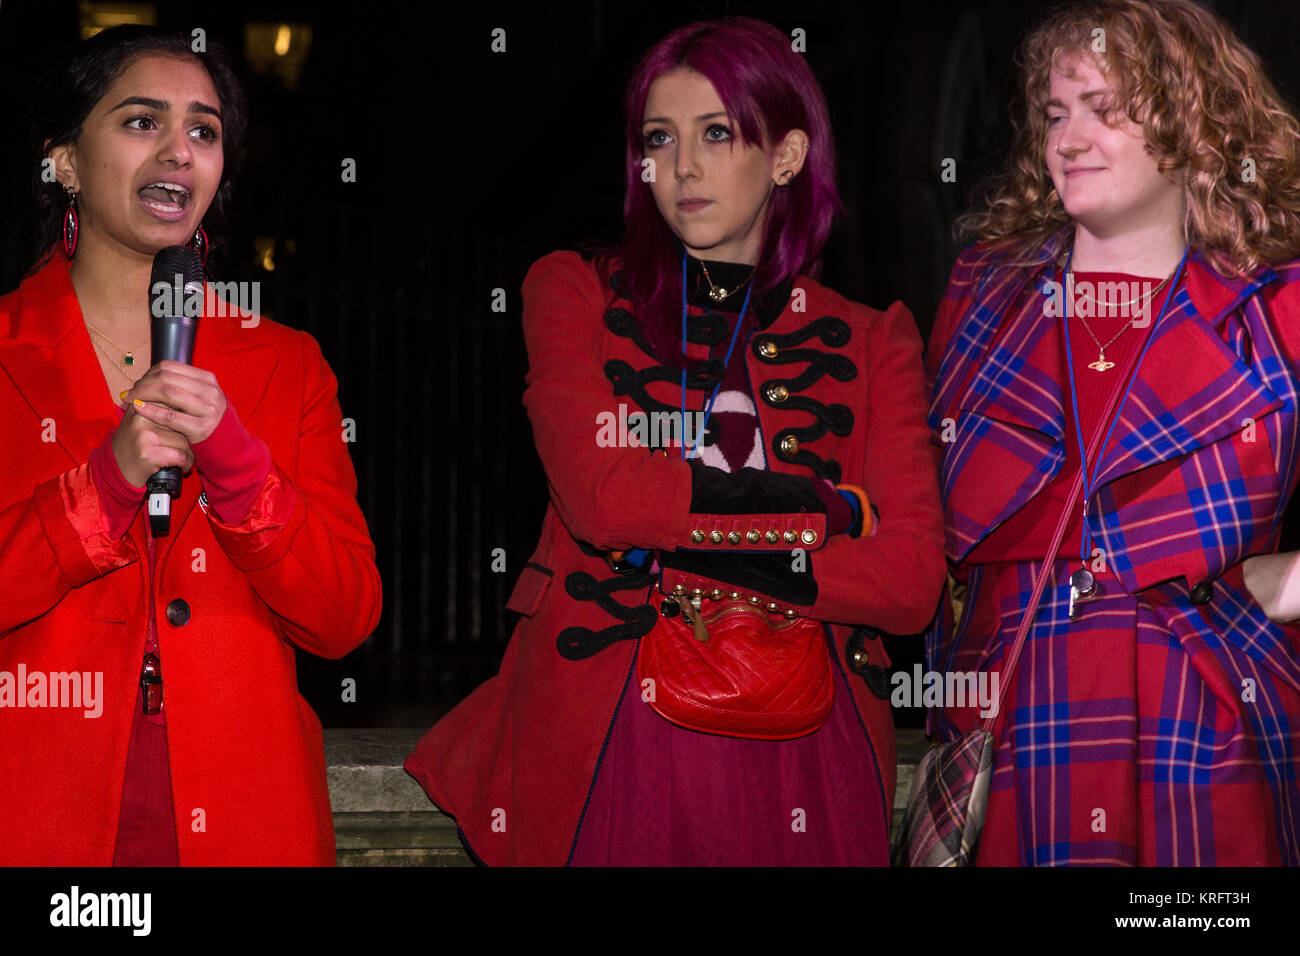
x=697, y=678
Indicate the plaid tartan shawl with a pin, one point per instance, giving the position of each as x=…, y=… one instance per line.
x=1151, y=730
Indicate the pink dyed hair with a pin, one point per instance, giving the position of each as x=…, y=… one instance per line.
x=767, y=90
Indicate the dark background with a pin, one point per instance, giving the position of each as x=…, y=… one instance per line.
x=472, y=164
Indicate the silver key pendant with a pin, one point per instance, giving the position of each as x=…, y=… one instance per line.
x=1082, y=586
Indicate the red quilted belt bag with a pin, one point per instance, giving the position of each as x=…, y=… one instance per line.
x=737, y=671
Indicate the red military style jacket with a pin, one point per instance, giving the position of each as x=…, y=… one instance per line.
x=245, y=751
x=515, y=761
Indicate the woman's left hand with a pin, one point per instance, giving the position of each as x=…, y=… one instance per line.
x=1274, y=581
x=180, y=397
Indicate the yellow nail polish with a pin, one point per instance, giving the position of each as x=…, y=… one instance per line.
x=138, y=403
x=122, y=394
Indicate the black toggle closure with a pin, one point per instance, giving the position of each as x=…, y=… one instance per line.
x=151, y=684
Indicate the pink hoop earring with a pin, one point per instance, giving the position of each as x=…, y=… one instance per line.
x=70, y=224
x=200, y=245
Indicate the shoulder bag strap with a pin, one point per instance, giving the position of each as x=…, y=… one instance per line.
x=1071, y=501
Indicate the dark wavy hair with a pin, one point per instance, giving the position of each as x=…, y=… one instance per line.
x=70, y=91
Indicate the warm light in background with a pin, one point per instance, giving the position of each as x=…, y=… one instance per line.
x=264, y=247
x=94, y=17
x=277, y=49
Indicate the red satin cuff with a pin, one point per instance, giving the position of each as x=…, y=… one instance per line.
x=119, y=499
x=72, y=515
x=272, y=514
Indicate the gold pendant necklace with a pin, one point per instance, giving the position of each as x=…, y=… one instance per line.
x=716, y=292
x=128, y=355
x=112, y=362
x=1101, y=365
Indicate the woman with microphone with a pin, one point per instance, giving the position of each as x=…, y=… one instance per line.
x=148, y=698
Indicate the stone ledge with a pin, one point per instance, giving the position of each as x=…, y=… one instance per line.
x=382, y=817
x=365, y=772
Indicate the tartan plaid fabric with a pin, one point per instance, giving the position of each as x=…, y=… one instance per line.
x=1150, y=730
x=946, y=808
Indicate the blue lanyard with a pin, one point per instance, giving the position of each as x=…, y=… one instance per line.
x=708, y=407
x=1090, y=474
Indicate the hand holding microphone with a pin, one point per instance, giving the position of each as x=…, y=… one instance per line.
x=143, y=448
x=184, y=403
x=181, y=406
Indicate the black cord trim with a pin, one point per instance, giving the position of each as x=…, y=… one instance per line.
x=623, y=323
x=873, y=675
x=829, y=469
x=618, y=282
x=831, y=329
x=708, y=328
x=835, y=418
x=579, y=643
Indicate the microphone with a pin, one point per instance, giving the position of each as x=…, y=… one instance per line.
x=175, y=303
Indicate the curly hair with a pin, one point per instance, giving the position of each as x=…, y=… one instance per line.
x=1205, y=107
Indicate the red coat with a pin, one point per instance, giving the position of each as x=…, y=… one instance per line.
x=244, y=747
x=514, y=762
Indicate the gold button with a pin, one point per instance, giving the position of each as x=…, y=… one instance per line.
x=716, y=537
x=734, y=537
x=791, y=537
x=715, y=594
x=790, y=613
x=697, y=592
x=809, y=536
x=859, y=659
x=776, y=394
x=767, y=348
x=679, y=589
x=755, y=600
x=789, y=445
x=753, y=536
x=773, y=537
x=697, y=535
x=734, y=595
x=773, y=607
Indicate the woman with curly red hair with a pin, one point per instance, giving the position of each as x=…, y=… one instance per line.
x=1116, y=357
